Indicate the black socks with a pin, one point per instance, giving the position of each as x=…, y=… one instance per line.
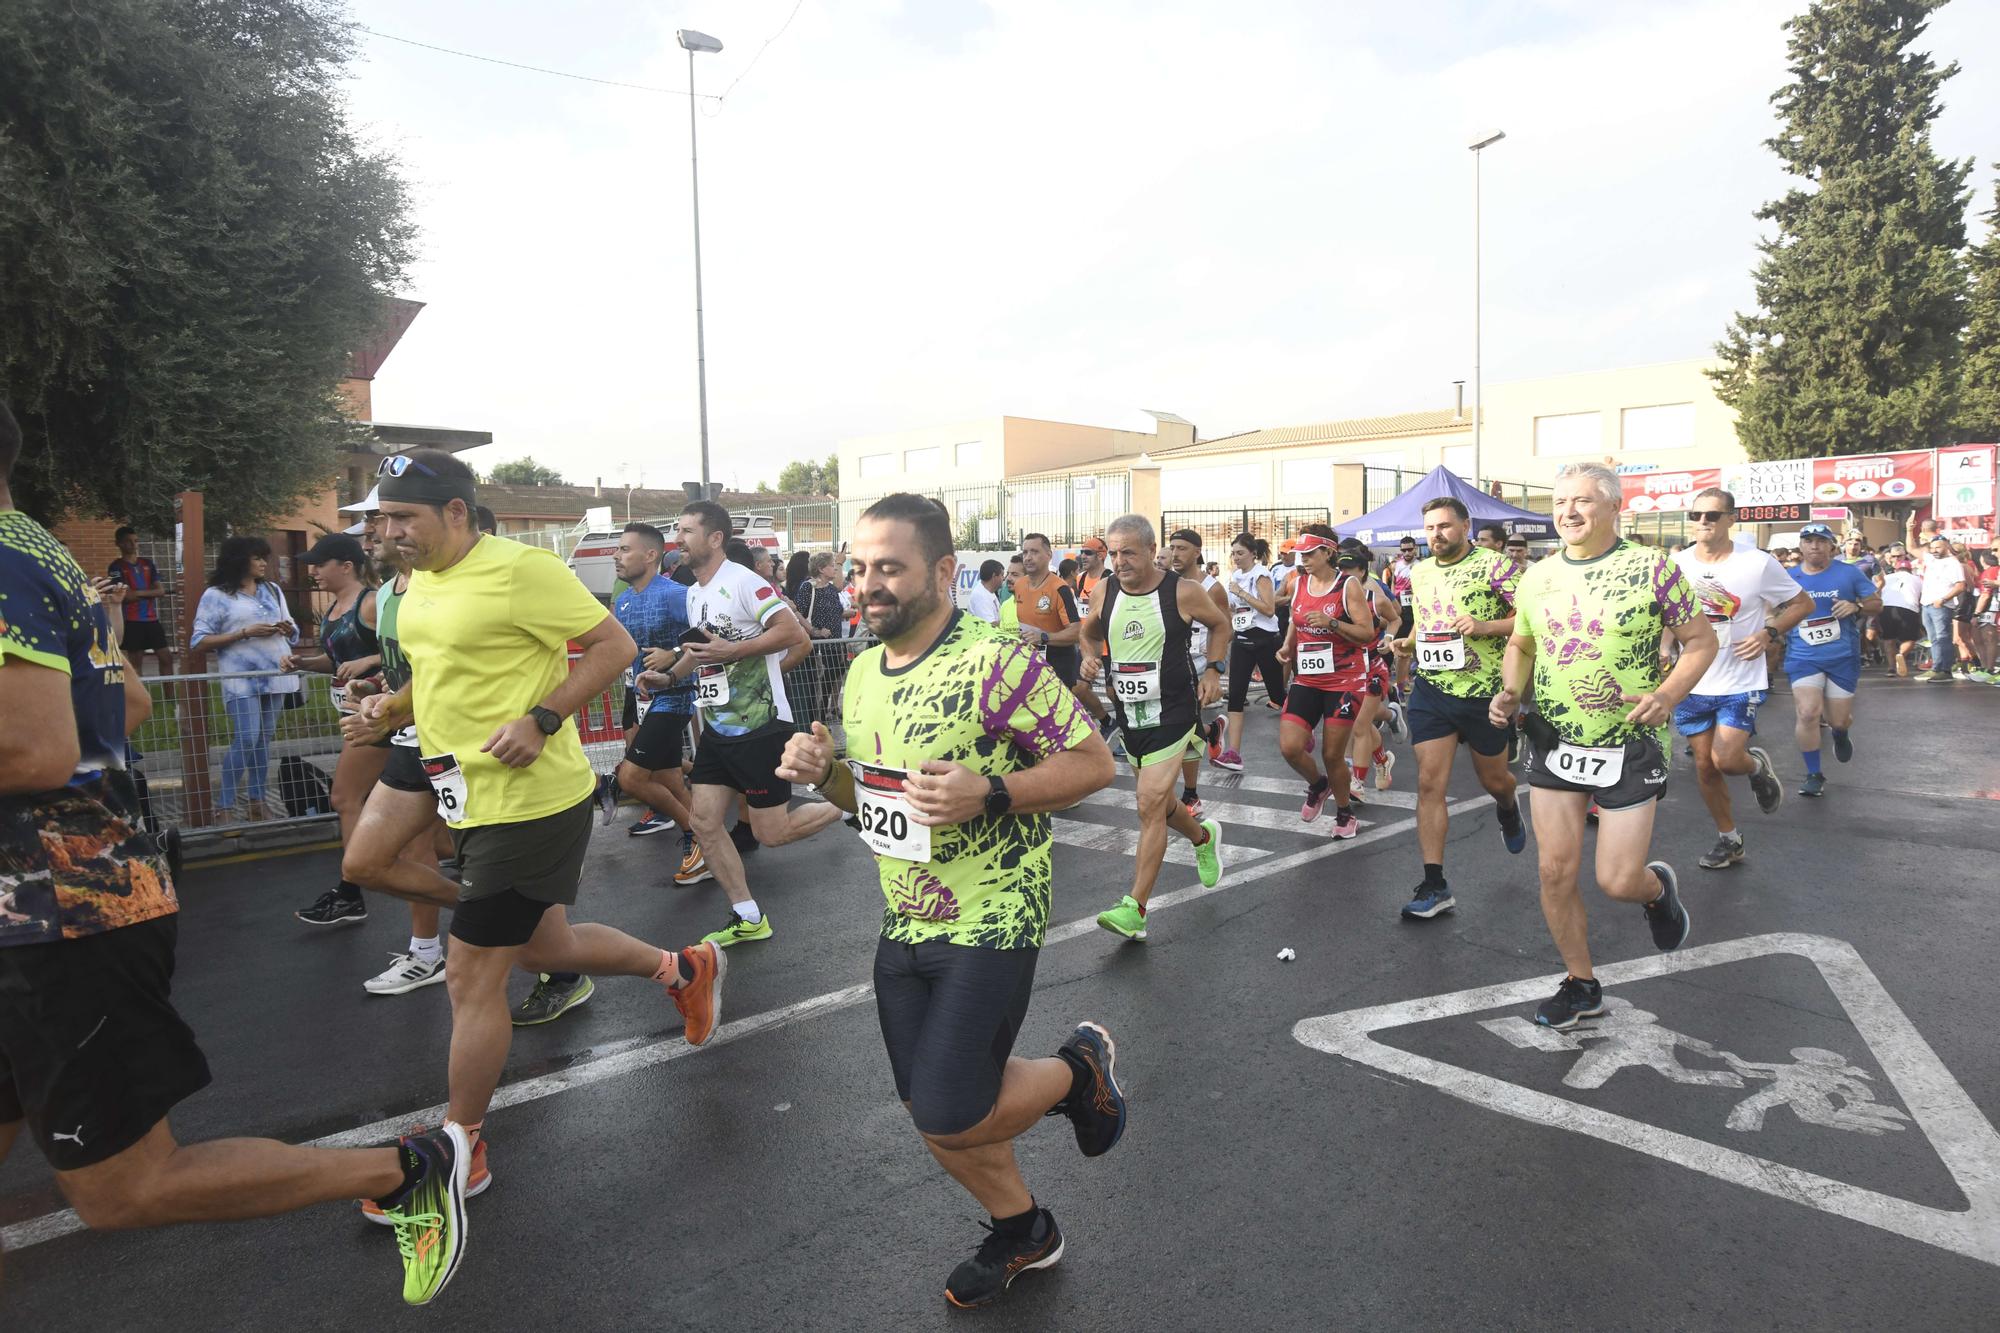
x=1433, y=875
x=349, y=891
x=413, y=1165
x=1021, y=1226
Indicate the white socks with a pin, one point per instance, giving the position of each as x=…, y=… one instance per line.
x=426, y=951
x=747, y=909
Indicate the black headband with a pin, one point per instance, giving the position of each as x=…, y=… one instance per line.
x=424, y=489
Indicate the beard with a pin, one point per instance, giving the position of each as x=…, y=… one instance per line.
x=891, y=619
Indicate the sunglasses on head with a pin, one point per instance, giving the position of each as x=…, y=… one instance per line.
x=395, y=465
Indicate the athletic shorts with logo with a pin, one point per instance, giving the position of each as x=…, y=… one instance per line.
x=1839, y=680
x=1434, y=715
x=1643, y=779
x=1307, y=704
x=1146, y=746
x=1699, y=712
x=748, y=765
x=660, y=741
x=511, y=873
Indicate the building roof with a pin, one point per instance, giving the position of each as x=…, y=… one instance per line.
x=1441, y=422
x=569, y=502
x=397, y=315
x=391, y=436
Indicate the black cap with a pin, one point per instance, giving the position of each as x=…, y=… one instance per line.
x=335, y=546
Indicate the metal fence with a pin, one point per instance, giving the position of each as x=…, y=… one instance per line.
x=1218, y=527
x=996, y=515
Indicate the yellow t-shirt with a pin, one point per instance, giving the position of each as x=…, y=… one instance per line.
x=487, y=640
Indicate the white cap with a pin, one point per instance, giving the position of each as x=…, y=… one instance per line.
x=357, y=529
x=369, y=505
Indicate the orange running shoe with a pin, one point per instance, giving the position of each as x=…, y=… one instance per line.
x=700, y=1000
x=477, y=1184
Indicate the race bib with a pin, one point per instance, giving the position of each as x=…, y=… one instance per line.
x=341, y=703
x=1135, y=682
x=884, y=813
x=711, y=686
x=1721, y=625
x=1588, y=766
x=1083, y=608
x=1820, y=630
x=1240, y=620
x=448, y=782
x=405, y=737
x=1315, y=659
x=1441, y=651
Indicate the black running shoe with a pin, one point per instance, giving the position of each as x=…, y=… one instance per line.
x=744, y=838
x=1843, y=746
x=1573, y=999
x=1764, y=780
x=1000, y=1259
x=1727, y=852
x=1665, y=914
x=1098, y=1109
x=330, y=909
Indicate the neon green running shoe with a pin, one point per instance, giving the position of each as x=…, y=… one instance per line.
x=738, y=931
x=430, y=1221
x=1125, y=919
x=1208, y=855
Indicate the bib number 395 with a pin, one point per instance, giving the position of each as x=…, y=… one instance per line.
x=883, y=813
x=447, y=784
x=1135, y=682
x=1589, y=766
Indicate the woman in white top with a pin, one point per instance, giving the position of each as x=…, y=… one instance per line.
x=242, y=618
x=1253, y=607
x=1900, y=624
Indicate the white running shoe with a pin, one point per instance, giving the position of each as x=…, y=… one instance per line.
x=406, y=973
x=1384, y=771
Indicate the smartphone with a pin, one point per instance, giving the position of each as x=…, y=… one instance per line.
x=695, y=634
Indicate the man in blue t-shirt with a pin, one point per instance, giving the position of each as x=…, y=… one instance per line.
x=653, y=609
x=1823, y=651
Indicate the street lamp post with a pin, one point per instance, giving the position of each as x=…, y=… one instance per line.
x=691, y=42
x=1478, y=413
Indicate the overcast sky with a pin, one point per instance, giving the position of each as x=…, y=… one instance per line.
x=918, y=211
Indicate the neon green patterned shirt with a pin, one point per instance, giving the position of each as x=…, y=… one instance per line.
x=1597, y=627
x=1480, y=584
x=992, y=703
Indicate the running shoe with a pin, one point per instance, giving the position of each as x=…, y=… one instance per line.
x=1814, y=785
x=654, y=822
x=1125, y=919
x=1384, y=768
x=1936, y=678
x=1213, y=734
x=550, y=1000
x=1194, y=806
x=1983, y=677
x=1396, y=719
x=406, y=973
x=738, y=931
x=1727, y=852
x=1315, y=799
x=744, y=837
x=1764, y=781
x=1000, y=1259
x=476, y=1183
x=1097, y=1112
x=1430, y=900
x=1843, y=746
x=1666, y=914
x=430, y=1219
x=1208, y=855
x=1573, y=999
x=1230, y=760
x=330, y=909
x=1513, y=829
x=607, y=798
x=1345, y=825
x=700, y=1000
x=694, y=866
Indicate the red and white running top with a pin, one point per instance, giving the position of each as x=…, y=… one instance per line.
x=1347, y=661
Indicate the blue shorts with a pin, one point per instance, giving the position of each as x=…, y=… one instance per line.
x=1846, y=675
x=1698, y=712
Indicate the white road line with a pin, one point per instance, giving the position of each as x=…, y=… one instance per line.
x=54, y=1226
x=1294, y=787
x=1125, y=842
x=1251, y=816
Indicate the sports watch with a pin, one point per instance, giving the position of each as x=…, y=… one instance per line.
x=999, y=800
x=548, y=719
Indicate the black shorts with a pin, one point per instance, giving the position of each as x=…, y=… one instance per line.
x=1435, y=714
x=1308, y=704
x=949, y=1014
x=1901, y=624
x=748, y=765
x=628, y=716
x=1068, y=664
x=144, y=636
x=537, y=860
x=92, y=1052
x=660, y=741
x=403, y=770
x=1644, y=777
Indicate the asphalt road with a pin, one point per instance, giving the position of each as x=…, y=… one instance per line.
x=1422, y=1166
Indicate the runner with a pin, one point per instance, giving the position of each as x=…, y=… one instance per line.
x=1253, y=645
x=1738, y=589
x=1462, y=614
x=1823, y=649
x=1049, y=615
x=1366, y=750
x=144, y=633
x=1142, y=620
x=1587, y=627
x=653, y=610
x=93, y=1056
x=741, y=632
x=967, y=741
x=1090, y=577
x=1327, y=642
x=1184, y=558
x=486, y=625
x=1399, y=587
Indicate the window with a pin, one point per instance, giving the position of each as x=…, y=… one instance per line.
x=923, y=460
x=1200, y=487
x=1306, y=479
x=969, y=454
x=1569, y=435
x=877, y=465
x=1457, y=458
x=1669, y=426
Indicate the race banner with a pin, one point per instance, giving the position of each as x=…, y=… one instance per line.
x=1774, y=492
x=1964, y=481
x=1904, y=476
x=1665, y=492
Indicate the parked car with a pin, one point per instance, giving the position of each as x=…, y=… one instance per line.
x=592, y=557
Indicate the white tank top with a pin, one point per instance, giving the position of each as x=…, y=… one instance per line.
x=1245, y=580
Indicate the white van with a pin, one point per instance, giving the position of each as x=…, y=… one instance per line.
x=592, y=558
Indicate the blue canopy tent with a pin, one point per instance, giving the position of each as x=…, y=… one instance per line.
x=1403, y=516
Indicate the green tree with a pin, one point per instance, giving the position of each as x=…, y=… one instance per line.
x=524, y=472
x=1854, y=346
x=806, y=477
x=1979, y=411
x=195, y=241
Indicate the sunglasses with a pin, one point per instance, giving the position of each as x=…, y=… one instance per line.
x=1710, y=515
x=395, y=465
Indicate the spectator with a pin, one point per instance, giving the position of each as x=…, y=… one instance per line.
x=1066, y=571
x=1944, y=583
x=1900, y=623
x=1860, y=556
x=242, y=619
x=1517, y=550
x=1964, y=629
x=820, y=601
x=1986, y=610
x=984, y=599
x=144, y=632
x=798, y=573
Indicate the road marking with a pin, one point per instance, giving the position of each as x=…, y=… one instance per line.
x=1295, y=787
x=1124, y=840
x=1962, y=1137
x=1257, y=816
x=64, y=1222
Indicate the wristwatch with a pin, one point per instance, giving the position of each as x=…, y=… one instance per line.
x=1045, y=638
x=548, y=719
x=999, y=800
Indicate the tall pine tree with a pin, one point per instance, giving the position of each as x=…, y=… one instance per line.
x=1855, y=346
x=1979, y=397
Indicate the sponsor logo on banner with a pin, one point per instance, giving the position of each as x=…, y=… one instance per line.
x=1965, y=481
x=1666, y=492
x=1903, y=476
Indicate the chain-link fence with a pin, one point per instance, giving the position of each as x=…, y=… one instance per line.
x=995, y=515
x=1219, y=527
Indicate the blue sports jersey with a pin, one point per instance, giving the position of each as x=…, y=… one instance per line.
x=656, y=618
x=50, y=615
x=1838, y=582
